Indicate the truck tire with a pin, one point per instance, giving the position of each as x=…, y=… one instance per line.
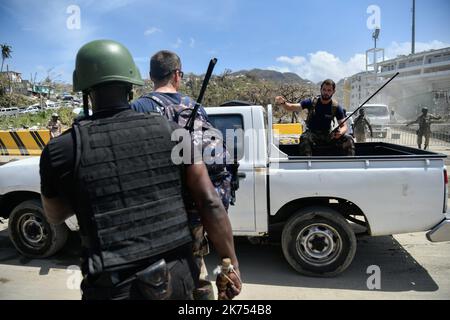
x=30, y=232
x=318, y=242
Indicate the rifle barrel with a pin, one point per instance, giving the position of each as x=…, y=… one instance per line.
x=373, y=95
x=191, y=120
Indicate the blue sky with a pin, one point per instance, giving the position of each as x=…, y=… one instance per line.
x=316, y=39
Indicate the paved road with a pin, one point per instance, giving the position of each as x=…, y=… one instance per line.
x=410, y=266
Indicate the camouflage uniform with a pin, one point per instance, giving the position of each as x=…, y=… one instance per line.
x=220, y=177
x=311, y=139
x=360, y=124
x=424, y=130
x=55, y=127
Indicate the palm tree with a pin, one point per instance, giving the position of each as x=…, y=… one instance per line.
x=6, y=53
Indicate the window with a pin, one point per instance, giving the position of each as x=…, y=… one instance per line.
x=224, y=122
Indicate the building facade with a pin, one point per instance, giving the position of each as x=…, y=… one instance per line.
x=424, y=81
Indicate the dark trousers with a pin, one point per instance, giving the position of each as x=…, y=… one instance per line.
x=122, y=285
x=420, y=135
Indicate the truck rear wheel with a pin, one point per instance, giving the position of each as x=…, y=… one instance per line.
x=318, y=241
x=31, y=234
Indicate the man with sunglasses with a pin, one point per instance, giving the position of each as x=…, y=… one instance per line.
x=166, y=75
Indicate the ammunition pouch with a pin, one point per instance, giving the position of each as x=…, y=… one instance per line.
x=234, y=182
x=154, y=282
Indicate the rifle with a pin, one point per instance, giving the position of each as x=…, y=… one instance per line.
x=373, y=95
x=190, y=123
x=233, y=169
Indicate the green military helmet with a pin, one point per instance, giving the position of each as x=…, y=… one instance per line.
x=103, y=61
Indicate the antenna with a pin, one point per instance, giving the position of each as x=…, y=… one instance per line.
x=376, y=35
x=413, y=42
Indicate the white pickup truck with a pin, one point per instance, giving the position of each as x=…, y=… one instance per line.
x=317, y=203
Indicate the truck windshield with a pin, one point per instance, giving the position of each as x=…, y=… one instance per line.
x=378, y=111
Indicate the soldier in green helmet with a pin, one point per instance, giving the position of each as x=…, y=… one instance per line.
x=114, y=171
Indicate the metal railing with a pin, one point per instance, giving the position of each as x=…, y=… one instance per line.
x=403, y=135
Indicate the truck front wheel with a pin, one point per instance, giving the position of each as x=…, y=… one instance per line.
x=318, y=241
x=31, y=234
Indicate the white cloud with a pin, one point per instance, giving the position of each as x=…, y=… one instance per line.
x=151, y=31
x=296, y=61
x=279, y=69
x=178, y=44
x=404, y=48
x=192, y=43
x=321, y=65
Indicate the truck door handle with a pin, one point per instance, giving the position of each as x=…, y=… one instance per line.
x=242, y=175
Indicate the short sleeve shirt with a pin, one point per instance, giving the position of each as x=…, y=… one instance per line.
x=146, y=105
x=321, y=121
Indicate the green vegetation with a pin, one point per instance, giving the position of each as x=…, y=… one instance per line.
x=244, y=87
x=39, y=120
x=223, y=88
x=15, y=100
x=6, y=53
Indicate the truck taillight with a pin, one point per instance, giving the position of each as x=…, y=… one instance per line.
x=445, y=191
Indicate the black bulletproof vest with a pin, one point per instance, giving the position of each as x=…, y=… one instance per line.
x=130, y=192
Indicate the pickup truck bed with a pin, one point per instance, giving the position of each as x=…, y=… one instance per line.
x=372, y=150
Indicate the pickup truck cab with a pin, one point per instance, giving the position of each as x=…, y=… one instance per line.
x=316, y=204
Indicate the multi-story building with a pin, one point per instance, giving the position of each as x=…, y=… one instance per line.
x=424, y=80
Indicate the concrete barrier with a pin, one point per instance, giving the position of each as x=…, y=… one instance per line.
x=23, y=142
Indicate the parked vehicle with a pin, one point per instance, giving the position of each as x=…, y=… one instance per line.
x=31, y=109
x=9, y=111
x=379, y=117
x=316, y=206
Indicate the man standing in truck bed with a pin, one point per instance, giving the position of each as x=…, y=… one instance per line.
x=321, y=113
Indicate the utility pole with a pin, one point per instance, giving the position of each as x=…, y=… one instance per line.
x=375, y=36
x=413, y=42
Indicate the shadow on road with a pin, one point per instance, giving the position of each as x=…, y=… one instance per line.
x=69, y=255
x=265, y=265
